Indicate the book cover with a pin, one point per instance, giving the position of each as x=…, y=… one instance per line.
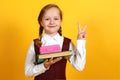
x=49, y=49
x=42, y=57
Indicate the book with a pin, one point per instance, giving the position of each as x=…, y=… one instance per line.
x=56, y=54
x=42, y=57
x=49, y=49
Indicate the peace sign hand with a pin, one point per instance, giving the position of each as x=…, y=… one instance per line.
x=82, y=32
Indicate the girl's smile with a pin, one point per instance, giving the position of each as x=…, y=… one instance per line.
x=51, y=26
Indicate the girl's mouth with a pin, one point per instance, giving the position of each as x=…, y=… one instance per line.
x=51, y=26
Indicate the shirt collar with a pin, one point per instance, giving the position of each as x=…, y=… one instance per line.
x=56, y=37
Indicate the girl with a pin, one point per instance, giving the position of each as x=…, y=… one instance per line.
x=50, y=19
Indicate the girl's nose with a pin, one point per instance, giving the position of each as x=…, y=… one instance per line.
x=51, y=21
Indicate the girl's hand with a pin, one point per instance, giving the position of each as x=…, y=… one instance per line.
x=81, y=32
x=48, y=63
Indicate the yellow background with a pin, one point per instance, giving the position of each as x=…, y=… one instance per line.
x=19, y=26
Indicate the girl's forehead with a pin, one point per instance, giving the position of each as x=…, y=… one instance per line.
x=52, y=11
x=52, y=8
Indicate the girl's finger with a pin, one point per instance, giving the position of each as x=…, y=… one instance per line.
x=84, y=28
x=79, y=28
x=57, y=59
x=51, y=60
x=46, y=60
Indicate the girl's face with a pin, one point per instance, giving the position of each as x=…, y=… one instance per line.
x=51, y=21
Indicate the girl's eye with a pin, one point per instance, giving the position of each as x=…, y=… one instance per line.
x=56, y=18
x=47, y=19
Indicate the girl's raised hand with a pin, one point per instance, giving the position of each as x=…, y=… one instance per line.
x=81, y=32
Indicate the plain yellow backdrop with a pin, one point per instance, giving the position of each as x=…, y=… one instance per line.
x=19, y=26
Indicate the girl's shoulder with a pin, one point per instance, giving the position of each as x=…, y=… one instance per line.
x=67, y=39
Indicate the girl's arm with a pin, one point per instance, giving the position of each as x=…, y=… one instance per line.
x=30, y=68
x=78, y=57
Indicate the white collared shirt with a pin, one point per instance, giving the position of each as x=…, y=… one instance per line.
x=78, y=58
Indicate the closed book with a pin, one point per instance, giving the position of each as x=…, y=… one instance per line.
x=42, y=57
x=49, y=49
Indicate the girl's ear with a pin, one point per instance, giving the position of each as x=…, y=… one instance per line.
x=41, y=23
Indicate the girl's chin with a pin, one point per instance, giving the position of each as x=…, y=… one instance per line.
x=51, y=32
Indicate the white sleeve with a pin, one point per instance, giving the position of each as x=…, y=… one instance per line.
x=78, y=57
x=30, y=68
